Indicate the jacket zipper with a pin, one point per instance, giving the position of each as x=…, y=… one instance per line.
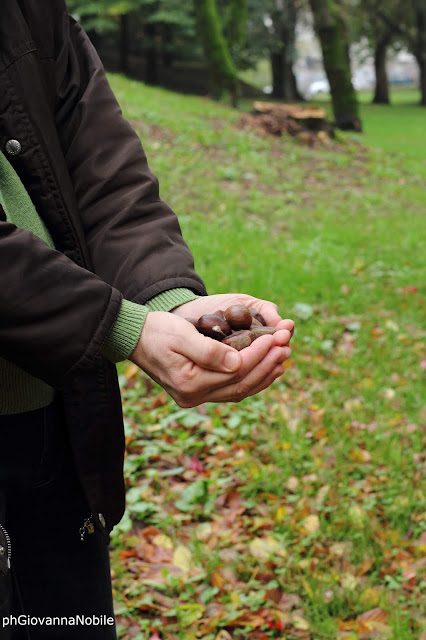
x=8, y=545
x=88, y=527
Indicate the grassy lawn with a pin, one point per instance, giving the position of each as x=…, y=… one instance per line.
x=299, y=513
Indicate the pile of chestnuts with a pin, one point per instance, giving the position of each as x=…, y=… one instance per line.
x=238, y=326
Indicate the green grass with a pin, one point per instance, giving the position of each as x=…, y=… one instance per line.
x=336, y=238
x=395, y=128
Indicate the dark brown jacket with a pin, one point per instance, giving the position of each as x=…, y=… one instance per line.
x=88, y=177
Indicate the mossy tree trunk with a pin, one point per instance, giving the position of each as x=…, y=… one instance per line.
x=223, y=72
x=235, y=28
x=331, y=30
x=381, y=92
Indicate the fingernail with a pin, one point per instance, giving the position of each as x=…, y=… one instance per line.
x=232, y=361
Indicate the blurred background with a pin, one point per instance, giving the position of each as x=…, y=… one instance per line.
x=275, y=47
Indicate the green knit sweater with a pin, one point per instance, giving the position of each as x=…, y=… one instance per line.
x=19, y=391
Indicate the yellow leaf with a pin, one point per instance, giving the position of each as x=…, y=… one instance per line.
x=370, y=597
x=182, y=558
x=360, y=455
x=161, y=540
x=235, y=597
x=300, y=623
x=281, y=514
x=286, y=446
x=311, y=523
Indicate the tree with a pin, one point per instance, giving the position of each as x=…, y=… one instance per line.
x=234, y=23
x=331, y=29
x=282, y=51
x=412, y=30
x=222, y=69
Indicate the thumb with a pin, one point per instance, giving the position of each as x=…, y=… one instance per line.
x=210, y=354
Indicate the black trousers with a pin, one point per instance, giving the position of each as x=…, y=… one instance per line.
x=54, y=575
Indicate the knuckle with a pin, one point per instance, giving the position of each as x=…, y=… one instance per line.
x=210, y=350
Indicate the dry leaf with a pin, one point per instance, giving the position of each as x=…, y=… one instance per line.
x=311, y=523
x=182, y=558
x=261, y=548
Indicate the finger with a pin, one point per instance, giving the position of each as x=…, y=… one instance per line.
x=207, y=353
x=286, y=324
x=258, y=376
x=276, y=373
x=282, y=337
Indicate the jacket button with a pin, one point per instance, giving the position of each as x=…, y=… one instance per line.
x=13, y=147
x=102, y=519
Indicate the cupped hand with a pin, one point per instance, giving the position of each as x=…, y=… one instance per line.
x=194, y=369
x=210, y=304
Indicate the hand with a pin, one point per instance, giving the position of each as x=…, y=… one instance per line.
x=194, y=369
x=210, y=304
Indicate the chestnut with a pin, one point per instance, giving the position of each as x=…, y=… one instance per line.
x=261, y=331
x=213, y=326
x=258, y=316
x=239, y=340
x=238, y=317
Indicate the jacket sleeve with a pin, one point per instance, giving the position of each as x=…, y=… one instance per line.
x=134, y=238
x=55, y=315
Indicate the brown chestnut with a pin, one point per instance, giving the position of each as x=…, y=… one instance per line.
x=261, y=331
x=220, y=313
x=258, y=316
x=213, y=326
x=238, y=317
x=239, y=340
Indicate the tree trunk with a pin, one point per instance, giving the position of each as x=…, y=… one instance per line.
x=235, y=28
x=277, y=68
x=283, y=53
x=420, y=46
x=222, y=69
x=151, y=55
x=124, y=44
x=381, y=93
x=331, y=31
x=422, y=66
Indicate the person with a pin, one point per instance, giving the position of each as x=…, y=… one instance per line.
x=93, y=270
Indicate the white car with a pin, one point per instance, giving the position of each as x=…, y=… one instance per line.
x=319, y=86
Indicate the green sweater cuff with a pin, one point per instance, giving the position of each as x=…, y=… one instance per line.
x=171, y=299
x=127, y=328
x=125, y=332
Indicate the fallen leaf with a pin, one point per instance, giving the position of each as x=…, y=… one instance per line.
x=262, y=548
x=311, y=523
x=182, y=558
x=360, y=455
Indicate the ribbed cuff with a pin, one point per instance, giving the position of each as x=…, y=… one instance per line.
x=171, y=299
x=127, y=328
x=125, y=332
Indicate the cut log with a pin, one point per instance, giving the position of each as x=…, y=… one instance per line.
x=271, y=118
